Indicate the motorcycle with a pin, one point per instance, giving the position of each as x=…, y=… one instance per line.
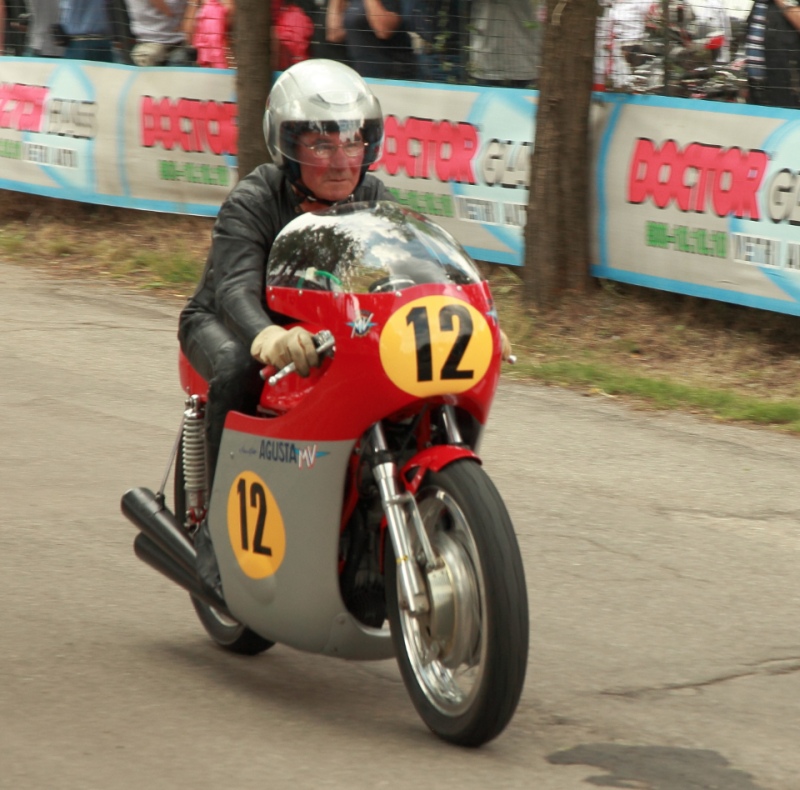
x=351, y=515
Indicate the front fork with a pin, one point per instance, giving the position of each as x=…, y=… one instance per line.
x=404, y=522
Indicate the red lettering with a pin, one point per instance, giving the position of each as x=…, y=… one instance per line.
x=22, y=106
x=421, y=145
x=190, y=124
x=730, y=178
x=642, y=154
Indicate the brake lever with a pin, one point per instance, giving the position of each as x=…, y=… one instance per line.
x=324, y=341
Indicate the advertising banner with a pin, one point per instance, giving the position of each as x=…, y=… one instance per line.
x=164, y=139
x=691, y=196
x=118, y=135
x=461, y=155
x=701, y=198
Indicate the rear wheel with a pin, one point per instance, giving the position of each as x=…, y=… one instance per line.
x=225, y=631
x=464, y=661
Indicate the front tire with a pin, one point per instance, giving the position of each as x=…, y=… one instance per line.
x=228, y=633
x=464, y=662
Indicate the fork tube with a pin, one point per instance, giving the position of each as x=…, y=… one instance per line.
x=451, y=425
x=394, y=503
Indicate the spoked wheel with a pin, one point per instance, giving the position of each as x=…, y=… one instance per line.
x=464, y=661
x=225, y=631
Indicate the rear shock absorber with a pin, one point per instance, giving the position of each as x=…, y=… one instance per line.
x=195, y=478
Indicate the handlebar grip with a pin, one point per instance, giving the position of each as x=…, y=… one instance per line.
x=324, y=342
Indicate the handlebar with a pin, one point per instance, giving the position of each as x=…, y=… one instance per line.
x=324, y=341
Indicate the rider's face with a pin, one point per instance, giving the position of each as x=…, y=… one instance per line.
x=329, y=179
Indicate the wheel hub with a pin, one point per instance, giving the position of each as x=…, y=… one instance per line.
x=454, y=619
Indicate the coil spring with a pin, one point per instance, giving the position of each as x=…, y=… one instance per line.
x=194, y=448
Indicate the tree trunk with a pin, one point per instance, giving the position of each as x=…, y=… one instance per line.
x=557, y=231
x=253, y=80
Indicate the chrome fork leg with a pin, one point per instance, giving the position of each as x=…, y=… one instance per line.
x=402, y=515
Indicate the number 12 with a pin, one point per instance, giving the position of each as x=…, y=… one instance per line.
x=448, y=315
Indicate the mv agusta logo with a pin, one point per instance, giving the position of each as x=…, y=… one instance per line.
x=289, y=453
x=362, y=324
x=697, y=178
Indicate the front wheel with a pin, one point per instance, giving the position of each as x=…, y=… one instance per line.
x=464, y=661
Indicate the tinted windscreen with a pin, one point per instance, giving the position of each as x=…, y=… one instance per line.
x=367, y=247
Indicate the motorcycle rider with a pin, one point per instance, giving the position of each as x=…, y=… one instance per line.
x=323, y=129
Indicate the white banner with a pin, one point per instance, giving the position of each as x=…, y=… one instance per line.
x=690, y=196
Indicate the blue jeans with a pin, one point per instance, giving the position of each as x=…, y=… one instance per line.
x=93, y=49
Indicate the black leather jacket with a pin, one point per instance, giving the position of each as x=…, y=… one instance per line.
x=232, y=287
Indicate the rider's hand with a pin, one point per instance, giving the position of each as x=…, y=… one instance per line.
x=278, y=346
x=505, y=346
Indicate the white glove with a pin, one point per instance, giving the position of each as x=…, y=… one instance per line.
x=278, y=346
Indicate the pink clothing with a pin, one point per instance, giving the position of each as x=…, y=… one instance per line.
x=294, y=30
x=210, y=36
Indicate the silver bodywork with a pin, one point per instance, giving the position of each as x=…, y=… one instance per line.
x=300, y=605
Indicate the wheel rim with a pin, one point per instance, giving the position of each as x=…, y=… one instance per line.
x=447, y=647
x=223, y=619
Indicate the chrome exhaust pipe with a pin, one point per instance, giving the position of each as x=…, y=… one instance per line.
x=147, y=512
x=150, y=552
x=163, y=545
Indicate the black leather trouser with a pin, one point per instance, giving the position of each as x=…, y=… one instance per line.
x=232, y=375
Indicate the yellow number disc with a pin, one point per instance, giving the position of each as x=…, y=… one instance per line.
x=435, y=345
x=255, y=526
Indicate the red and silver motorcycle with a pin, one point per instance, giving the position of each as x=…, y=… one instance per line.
x=351, y=516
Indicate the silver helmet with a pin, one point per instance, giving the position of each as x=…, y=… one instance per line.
x=322, y=96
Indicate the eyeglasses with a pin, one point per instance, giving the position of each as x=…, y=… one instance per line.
x=352, y=149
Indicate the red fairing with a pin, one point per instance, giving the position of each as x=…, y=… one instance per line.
x=355, y=388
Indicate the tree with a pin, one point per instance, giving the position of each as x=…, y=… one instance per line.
x=253, y=80
x=557, y=232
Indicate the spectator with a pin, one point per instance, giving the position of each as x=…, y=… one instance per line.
x=85, y=30
x=320, y=47
x=505, y=42
x=436, y=25
x=378, y=41
x=782, y=54
x=754, y=52
x=122, y=35
x=713, y=28
x=41, y=43
x=15, y=20
x=622, y=27
x=158, y=26
x=208, y=31
x=292, y=33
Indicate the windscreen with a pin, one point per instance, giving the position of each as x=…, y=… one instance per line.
x=367, y=248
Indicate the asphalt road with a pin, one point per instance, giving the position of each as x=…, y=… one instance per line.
x=661, y=555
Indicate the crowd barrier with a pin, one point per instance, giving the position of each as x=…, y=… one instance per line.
x=690, y=196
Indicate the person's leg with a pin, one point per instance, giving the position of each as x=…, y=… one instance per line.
x=232, y=375
x=779, y=40
x=234, y=385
